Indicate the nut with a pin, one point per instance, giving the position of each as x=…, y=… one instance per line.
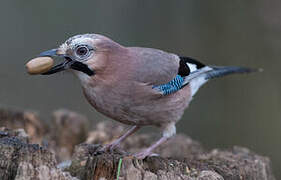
x=39, y=65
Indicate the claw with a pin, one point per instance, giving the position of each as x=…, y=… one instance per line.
x=110, y=148
x=143, y=155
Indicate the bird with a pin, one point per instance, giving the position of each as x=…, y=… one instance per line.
x=136, y=86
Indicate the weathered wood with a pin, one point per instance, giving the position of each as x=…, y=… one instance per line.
x=184, y=158
x=235, y=164
x=67, y=130
x=64, y=130
x=27, y=120
x=180, y=158
x=22, y=161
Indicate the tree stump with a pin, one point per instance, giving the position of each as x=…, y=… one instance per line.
x=236, y=164
x=22, y=161
x=180, y=158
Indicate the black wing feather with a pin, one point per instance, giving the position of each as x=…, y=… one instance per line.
x=184, y=70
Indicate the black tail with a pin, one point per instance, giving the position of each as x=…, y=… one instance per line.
x=219, y=71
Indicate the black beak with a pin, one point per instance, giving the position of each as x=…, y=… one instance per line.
x=67, y=64
x=57, y=68
x=49, y=53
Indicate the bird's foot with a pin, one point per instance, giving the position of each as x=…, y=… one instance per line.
x=144, y=154
x=110, y=148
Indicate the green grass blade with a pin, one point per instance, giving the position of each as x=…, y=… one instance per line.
x=119, y=168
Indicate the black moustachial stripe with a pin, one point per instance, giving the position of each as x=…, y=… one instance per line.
x=184, y=70
x=79, y=66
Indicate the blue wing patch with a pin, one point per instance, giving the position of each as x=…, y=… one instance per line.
x=172, y=86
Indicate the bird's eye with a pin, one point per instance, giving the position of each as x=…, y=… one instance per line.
x=82, y=51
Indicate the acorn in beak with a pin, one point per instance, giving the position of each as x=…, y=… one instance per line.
x=68, y=63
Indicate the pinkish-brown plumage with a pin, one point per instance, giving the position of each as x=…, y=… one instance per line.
x=131, y=84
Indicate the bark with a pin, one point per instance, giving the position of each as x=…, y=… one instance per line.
x=67, y=130
x=179, y=158
x=27, y=120
x=235, y=164
x=22, y=161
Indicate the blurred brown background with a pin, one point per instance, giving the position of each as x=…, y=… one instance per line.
x=238, y=110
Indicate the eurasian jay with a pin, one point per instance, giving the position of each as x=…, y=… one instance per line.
x=134, y=85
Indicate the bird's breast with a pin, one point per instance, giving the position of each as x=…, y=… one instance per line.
x=137, y=104
x=111, y=101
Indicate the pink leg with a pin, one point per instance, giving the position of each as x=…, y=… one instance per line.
x=116, y=143
x=149, y=150
x=168, y=131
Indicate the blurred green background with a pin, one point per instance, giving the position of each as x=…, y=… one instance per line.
x=236, y=110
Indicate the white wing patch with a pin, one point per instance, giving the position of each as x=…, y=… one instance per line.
x=192, y=67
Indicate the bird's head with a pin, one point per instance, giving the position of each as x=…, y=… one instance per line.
x=85, y=53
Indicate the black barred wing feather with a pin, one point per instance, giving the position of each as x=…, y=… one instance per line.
x=196, y=74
